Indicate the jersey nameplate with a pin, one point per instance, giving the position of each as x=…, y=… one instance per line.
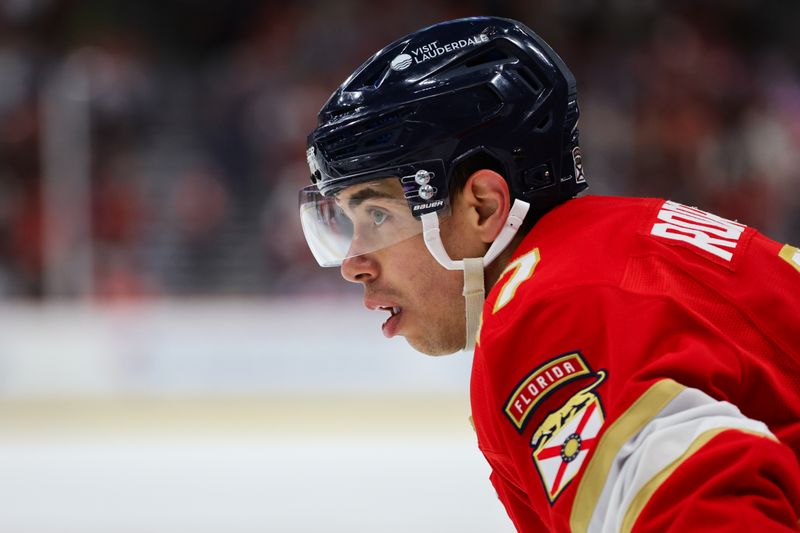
x=709, y=233
x=791, y=255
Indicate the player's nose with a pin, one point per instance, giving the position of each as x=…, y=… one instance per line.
x=359, y=269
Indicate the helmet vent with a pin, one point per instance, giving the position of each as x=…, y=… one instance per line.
x=545, y=123
x=385, y=120
x=371, y=133
x=374, y=78
x=341, y=113
x=378, y=140
x=489, y=57
x=487, y=101
x=370, y=77
x=533, y=82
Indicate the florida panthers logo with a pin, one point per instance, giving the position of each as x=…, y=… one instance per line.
x=565, y=438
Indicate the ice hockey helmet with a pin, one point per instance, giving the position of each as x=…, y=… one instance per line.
x=449, y=92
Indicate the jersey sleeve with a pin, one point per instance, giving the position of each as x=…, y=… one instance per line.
x=743, y=485
x=662, y=388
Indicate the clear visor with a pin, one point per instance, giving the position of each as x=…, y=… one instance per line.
x=360, y=219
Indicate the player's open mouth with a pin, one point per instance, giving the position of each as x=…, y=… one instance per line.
x=391, y=325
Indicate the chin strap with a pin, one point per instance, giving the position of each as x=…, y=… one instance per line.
x=474, y=288
x=474, y=295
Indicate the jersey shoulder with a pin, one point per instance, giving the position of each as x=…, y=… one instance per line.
x=582, y=242
x=648, y=250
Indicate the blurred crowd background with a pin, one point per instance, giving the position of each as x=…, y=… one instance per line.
x=153, y=149
x=151, y=154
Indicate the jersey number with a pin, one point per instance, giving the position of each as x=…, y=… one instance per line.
x=521, y=269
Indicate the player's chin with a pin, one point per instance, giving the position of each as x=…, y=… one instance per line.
x=430, y=345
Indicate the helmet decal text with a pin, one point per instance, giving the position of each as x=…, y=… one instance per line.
x=434, y=49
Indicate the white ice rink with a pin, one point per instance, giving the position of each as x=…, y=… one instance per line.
x=235, y=417
x=335, y=483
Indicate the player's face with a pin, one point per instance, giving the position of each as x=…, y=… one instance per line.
x=423, y=300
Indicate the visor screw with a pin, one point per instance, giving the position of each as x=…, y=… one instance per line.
x=422, y=177
x=426, y=192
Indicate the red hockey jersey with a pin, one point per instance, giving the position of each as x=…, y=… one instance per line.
x=638, y=369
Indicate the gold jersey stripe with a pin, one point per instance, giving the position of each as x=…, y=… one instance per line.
x=644, y=409
x=648, y=489
x=791, y=255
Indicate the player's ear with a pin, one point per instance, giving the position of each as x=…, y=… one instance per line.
x=487, y=200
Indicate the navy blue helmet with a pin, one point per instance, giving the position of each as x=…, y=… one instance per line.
x=483, y=87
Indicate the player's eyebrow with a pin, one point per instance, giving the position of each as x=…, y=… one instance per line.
x=367, y=194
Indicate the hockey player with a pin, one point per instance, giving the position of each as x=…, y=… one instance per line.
x=637, y=365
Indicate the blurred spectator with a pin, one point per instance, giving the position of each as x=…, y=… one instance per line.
x=199, y=113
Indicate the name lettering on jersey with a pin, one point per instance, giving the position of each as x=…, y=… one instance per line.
x=540, y=383
x=791, y=255
x=707, y=232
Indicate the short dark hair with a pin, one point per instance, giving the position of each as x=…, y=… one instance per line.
x=469, y=166
x=481, y=160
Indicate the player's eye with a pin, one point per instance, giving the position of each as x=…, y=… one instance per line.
x=378, y=216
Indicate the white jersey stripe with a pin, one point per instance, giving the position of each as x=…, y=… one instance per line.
x=668, y=436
